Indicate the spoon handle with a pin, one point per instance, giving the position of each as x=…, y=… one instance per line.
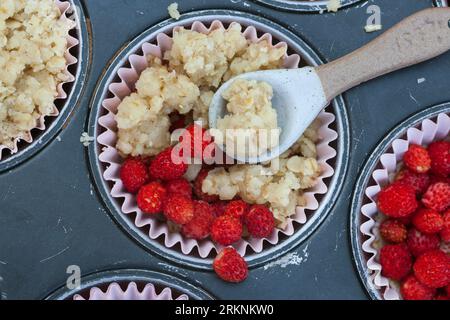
x=417, y=38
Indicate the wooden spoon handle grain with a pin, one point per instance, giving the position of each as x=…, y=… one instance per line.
x=419, y=37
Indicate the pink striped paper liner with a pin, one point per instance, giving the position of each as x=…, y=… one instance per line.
x=132, y=292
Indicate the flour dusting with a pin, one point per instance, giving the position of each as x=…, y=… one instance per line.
x=292, y=258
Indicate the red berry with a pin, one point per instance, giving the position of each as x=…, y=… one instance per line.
x=397, y=201
x=230, y=266
x=179, y=187
x=198, y=184
x=196, y=139
x=437, y=196
x=168, y=165
x=179, y=209
x=445, y=233
x=200, y=226
x=134, y=174
x=259, y=221
x=433, y=269
x=151, y=197
x=428, y=221
x=226, y=230
x=393, y=231
x=237, y=208
x=395, y=261
x=418, y=181
x=219, y=207
x=417, y=159
x=412, y=289
x=419, y=243
x=440, y=158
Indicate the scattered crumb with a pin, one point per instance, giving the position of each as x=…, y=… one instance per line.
x=58, y=138
x=333, y=5
x=289, y=259
x=173, y=11
x=421, y=80
x=373, y=27
x=85, y=139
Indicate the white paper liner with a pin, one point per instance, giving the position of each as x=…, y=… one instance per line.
x=425, y=133
x=112, y=160
x=65, y=8
x=115, y=292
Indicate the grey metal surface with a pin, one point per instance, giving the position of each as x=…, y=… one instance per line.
x=51, y=216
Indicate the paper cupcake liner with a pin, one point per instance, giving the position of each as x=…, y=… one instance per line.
x=159, y=229
x=423, y=134
x=115, y=292
x=66, y=10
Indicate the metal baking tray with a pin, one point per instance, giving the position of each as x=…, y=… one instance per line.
x=53, y=216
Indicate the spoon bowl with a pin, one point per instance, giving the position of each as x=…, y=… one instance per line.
x=298, y=99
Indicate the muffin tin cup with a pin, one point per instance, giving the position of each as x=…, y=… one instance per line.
x=77, y=56
x=304, y=6
x=131, y=284
x=441, y=3
x=433, y=124
x=105, y=160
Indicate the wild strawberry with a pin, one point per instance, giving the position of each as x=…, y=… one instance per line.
x=395, y=261
x=226, y=230
x=166, y=167
x=200, y=226
x=440, y=158
x=198, y=184
x=151, y=197
x=437, y=196
x=196, y=139
x=397, y=201
x=418, y=181
x=428, y=221
x=417, y=159
x=230, y=266
x=259, y=221
x=219, y=207
x=393, y=231
x=179, y=209
x=412, y=289
x=419, y=243
x=180, y=187
x=134, y=174
x=433, y=269
x=237, y=208
x=445, y=233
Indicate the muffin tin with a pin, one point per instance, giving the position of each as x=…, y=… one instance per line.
x=74, y=90
x=53, y=212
